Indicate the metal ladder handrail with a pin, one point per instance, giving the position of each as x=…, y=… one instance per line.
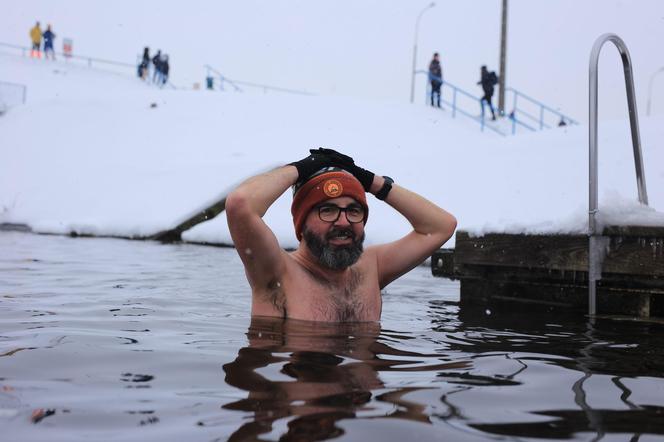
x=596, y=246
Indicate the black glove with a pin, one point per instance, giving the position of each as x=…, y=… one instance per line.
x=312, y=164
x=347, y=163
x=323, y=157
x=338, y=159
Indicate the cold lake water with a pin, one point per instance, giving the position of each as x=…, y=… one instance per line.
x=117, y=340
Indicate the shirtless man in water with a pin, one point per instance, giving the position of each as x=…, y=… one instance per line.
x=329, y=277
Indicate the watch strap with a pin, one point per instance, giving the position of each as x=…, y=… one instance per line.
x=385, y=190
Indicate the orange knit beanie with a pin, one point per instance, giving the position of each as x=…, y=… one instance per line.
x=323, y=187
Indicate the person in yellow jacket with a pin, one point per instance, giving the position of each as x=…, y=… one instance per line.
x=36, y=37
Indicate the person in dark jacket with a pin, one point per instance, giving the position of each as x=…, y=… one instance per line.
x=49, y=36
x=144, y=67
x=488, y=80
x=156, y=62
x=435, y=77
x=165, y=67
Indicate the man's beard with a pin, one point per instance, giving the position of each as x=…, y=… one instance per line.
x=331, y=256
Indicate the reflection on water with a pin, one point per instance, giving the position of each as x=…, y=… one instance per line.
x=315, y=376
x=325, y=373
x=117, y=340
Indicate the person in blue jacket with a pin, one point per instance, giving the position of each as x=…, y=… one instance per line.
x=49, y=36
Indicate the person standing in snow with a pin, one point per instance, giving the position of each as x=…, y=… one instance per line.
x=329, y=277
x=165, y=68
x=156, y=62
x=144, y=67
x=488, y=80
x=435, y=77
x=49, y=36
x=35, y=38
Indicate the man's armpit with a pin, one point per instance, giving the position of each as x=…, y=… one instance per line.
x=275, y=296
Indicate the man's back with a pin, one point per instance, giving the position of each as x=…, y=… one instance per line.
x=434, y=68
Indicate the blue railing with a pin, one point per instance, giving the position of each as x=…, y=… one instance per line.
x=460, y=102
x=541, y=119
x=91, y=62
x=213, y=73
x=463, y=102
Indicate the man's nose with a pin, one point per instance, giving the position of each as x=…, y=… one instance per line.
x=343, y=219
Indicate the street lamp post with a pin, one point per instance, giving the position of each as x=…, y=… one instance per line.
x=417, y=27
x=650, y=88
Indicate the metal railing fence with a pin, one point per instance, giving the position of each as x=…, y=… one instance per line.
x=213, y=73
x=527, y=112
x=78, y=59
x=12, y=94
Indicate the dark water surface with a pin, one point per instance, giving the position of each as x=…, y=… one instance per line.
x=117, y=340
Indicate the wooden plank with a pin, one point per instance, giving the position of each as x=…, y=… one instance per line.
x=175, y=234
x=15, y=227
x=560, y=252
x=638, y=231
x=442, y=263
x=629, y=255
x=489, y=294
x=635, y=255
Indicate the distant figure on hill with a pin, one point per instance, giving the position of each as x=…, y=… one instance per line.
x=488, y=80
x=330, y=276
x=435, y=77
x=144, y=67
x=49, y=36
x=35, y=38
x=156, y=62
x=165, y=68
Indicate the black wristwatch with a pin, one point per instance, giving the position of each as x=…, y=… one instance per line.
x=387, y=186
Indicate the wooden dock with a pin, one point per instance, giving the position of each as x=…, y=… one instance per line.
x=551, y=271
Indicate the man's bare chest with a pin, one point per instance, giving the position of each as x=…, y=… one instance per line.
x=311, y=298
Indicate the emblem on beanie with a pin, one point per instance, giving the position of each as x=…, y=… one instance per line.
x=332, y=188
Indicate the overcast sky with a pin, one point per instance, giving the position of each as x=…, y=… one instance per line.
x=365, y=48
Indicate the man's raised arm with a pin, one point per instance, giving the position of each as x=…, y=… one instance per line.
x=432, y=227
x=256, y=244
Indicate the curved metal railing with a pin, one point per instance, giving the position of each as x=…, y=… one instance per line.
x=596, y=246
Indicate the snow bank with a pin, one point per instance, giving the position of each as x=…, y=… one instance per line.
x=102, y=153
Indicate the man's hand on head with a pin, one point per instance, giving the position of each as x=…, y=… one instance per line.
x=347, y=163
x=339, y=158
x=313, y=163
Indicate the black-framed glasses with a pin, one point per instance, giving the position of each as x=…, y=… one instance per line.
x=330, y=213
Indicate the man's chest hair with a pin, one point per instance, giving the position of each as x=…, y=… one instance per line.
x=321, y=299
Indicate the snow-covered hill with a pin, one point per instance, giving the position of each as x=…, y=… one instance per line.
x=104, y=153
